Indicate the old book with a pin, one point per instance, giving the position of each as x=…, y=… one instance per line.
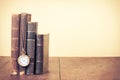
x=39, y=55
x=42, y=54
x=46, y=53
x=15, y=42
x=25, y=17
x=31, y=38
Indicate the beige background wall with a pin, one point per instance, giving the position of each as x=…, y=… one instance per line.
x=76, y=27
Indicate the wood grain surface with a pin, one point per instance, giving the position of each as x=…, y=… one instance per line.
x=5, y=71
x=99, y=68
x=64, y=68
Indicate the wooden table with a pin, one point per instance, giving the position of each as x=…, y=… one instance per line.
x=79, y=68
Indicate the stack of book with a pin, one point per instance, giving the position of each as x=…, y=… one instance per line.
x=24, y=36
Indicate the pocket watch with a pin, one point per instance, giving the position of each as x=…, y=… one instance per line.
x=23, y=60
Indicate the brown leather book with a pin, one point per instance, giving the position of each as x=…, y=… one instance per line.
x=31, y=38
x=42, y=54
x=15, y=42
x=24, y=19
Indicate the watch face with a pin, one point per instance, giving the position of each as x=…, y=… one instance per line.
x=23, y=60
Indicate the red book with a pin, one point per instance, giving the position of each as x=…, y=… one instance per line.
x=15, y=31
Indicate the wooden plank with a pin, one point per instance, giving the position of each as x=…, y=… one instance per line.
x=3, y=61
x=6, y=67
x=52, y=75
x=53, y=69
x=91, y=68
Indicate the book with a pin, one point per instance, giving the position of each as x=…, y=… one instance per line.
x=24, y=19
x=31, y=38
x=39, y=55
x=42, y=54
x=15, y=30
x=46, y=53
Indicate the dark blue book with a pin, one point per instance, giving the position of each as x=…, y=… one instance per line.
x=39, y=55
x=42, y=54
x=31, y=42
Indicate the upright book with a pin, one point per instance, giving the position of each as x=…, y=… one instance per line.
x=15, y=42
x=31, y=38
x=23, y=33
x=39, y=55
x=46, y=53
x=42, y=54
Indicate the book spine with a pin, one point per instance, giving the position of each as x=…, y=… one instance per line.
x=31, y=38
x=42, y=54
x=15, y=42
x=25, y=18
x=45, y=53
x=39, y=55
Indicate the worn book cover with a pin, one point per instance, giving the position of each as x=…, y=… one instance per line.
x=31, y=38
x=15, y=38
x=39, y=55
x=25, y=17
x=42, y=54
